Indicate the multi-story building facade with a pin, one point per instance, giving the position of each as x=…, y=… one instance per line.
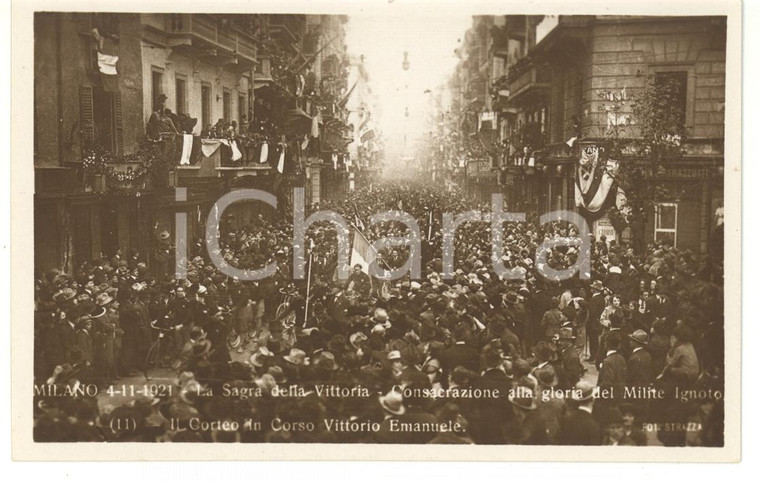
x=569, y=83
x=76, y=107
x=274, y=79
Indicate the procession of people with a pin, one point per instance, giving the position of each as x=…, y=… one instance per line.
x=631, y=356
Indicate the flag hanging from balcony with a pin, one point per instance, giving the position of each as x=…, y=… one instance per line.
x=594, y=181
x=264, y=156
x=187, y=148
x=107, y=59
x=236, y=154
x=107, y=64
x=281, y=161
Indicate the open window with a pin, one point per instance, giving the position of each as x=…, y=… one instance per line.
x=206, y=104
x=227, y=105
x=157, y=85
x=180, y=91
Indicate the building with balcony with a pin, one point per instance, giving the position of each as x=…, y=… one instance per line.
x=478, y=91
x=103, y=187
x=204, y=64
x=78, y=107
x=573, y=86
x=300, y=85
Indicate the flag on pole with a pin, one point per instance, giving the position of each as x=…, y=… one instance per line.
x=362, y=252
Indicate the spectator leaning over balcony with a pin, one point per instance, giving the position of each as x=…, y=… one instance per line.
x=161, y=127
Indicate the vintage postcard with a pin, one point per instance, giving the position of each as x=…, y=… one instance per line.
x=384, y=230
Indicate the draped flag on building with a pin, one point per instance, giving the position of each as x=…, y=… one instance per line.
x=281, y=161
x=107, y=51
x=594, y=181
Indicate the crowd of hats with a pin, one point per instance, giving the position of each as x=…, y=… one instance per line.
x=389, y=346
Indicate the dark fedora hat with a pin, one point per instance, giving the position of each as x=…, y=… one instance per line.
x=640, y=336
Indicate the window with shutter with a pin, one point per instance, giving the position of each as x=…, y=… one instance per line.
x=104, y=116
x=86, y=117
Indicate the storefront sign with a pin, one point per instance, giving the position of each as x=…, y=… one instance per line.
x=603, y=227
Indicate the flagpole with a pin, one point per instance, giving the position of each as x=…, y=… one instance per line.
x=430, y=225
x=308, y=290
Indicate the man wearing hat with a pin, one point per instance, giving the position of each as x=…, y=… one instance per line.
x=550, y=407
x=65, y=331
x=640, y=371
x=162, y=254
x=460, y=354
x=261, y=360
x=160, y=126
x=579, y=428
x=393, y=408
x=99, y=344
x=84, y=338
x=515, y=313
x=294, y=362
x=613, y=374
x=112, y=331
x=552, y=320
x=493, y=414
x=527, y=426
x=571, y=367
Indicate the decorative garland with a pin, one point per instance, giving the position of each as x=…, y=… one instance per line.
x=148, y=162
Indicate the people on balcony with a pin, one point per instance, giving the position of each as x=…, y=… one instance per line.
x=161, y=128
x=160, y=125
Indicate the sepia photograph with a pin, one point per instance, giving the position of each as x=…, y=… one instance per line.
x=358, y=229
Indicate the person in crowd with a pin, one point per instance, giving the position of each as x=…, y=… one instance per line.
x=681, y=363
x=579, y=426
x=473, y=331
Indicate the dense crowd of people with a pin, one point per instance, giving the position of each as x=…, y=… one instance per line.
x=633, y=356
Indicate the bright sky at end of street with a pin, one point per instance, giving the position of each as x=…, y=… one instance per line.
x=431, y=45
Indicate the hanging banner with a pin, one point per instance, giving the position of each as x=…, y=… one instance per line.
x=594, y=180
